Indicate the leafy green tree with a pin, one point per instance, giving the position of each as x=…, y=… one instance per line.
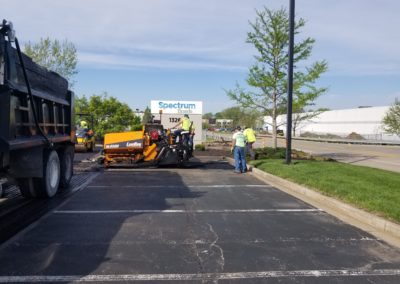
x=233, y=113
x=110, y=115
x=391, y=121
x=81, y=104
x=205, y=125
x=60, y=57
x=267, y=78
x=208, y=115
x=147, y=116
x=240, y=116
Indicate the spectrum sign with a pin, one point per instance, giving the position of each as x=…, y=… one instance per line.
x=177, y=107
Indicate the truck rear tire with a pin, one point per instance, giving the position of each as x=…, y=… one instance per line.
x=47, y=186
x=66, y=166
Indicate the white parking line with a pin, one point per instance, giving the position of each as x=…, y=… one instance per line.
x=184, y=211
x=183, y=186
x=200, y=276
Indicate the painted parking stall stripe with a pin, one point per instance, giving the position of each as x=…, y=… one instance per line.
x=185, y=211
x=185, y=186
x=200, y=276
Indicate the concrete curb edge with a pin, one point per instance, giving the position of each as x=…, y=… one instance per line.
x=381, y=228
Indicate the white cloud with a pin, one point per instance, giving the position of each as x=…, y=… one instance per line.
x=355, y=36
x=112, y=61
x=207, y=30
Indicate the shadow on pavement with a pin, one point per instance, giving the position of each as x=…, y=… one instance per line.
x=107, y=227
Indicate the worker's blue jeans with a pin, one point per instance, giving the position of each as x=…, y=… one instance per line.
x=185, y=137
x=177, y=133
x=240, y=159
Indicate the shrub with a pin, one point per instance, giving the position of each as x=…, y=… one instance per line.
x=137, y=127
x=270, y=153
x=200, y=147
x=280, y=153
x=355, y=136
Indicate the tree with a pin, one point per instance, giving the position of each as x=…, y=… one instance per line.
x=239, y=116
x=208, y=115
x=147, y=116
x=391, y=121
x=81, y=104
x=60, y=57
x=205, y=125
x=267, y=78
x=110, y=115
x=300, y=115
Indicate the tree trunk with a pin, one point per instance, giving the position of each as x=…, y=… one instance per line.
x=294, y=125
x=274, y=135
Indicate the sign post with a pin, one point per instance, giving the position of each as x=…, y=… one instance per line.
x=290, y=85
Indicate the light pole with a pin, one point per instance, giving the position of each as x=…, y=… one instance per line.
x=290, y=85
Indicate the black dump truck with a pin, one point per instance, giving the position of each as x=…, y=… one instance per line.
x=36, y=122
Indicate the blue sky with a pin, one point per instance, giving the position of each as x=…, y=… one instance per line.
x=193, y=50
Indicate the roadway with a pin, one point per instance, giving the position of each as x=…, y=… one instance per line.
x=384, y=157
x=376, y=156
x=198, y=224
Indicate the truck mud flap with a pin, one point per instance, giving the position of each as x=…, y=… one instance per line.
x=27, y=163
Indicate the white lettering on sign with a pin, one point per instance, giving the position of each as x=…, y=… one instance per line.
x=177, y=107
x=112, y=146
x=133, y=144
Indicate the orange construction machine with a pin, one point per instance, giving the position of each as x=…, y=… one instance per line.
x=152, y=145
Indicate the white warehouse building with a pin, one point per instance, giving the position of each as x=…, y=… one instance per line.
x=366, y=121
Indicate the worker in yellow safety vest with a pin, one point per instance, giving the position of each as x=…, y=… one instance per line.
x=250, y=139
x=184, y=125
x=238, y=146
x=84, y=124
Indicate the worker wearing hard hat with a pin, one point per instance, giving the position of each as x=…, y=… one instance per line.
x=184, y=125
x=191, y=137
x=250, y=138
x=238, y=146
x=84, y=124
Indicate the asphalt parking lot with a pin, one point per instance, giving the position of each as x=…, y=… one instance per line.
x=199, y=224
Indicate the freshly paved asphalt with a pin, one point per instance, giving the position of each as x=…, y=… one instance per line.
x=200, y=224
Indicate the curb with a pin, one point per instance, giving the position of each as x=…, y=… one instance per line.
x=379, y=227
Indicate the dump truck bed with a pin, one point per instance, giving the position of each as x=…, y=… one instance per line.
x=36, y=122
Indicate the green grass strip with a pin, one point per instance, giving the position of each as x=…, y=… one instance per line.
x=375, y=190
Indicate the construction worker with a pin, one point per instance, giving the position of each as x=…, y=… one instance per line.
x=238, y=146
x=191, y=137
x=250, y=138
x=84, y=125
x=184, y=125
